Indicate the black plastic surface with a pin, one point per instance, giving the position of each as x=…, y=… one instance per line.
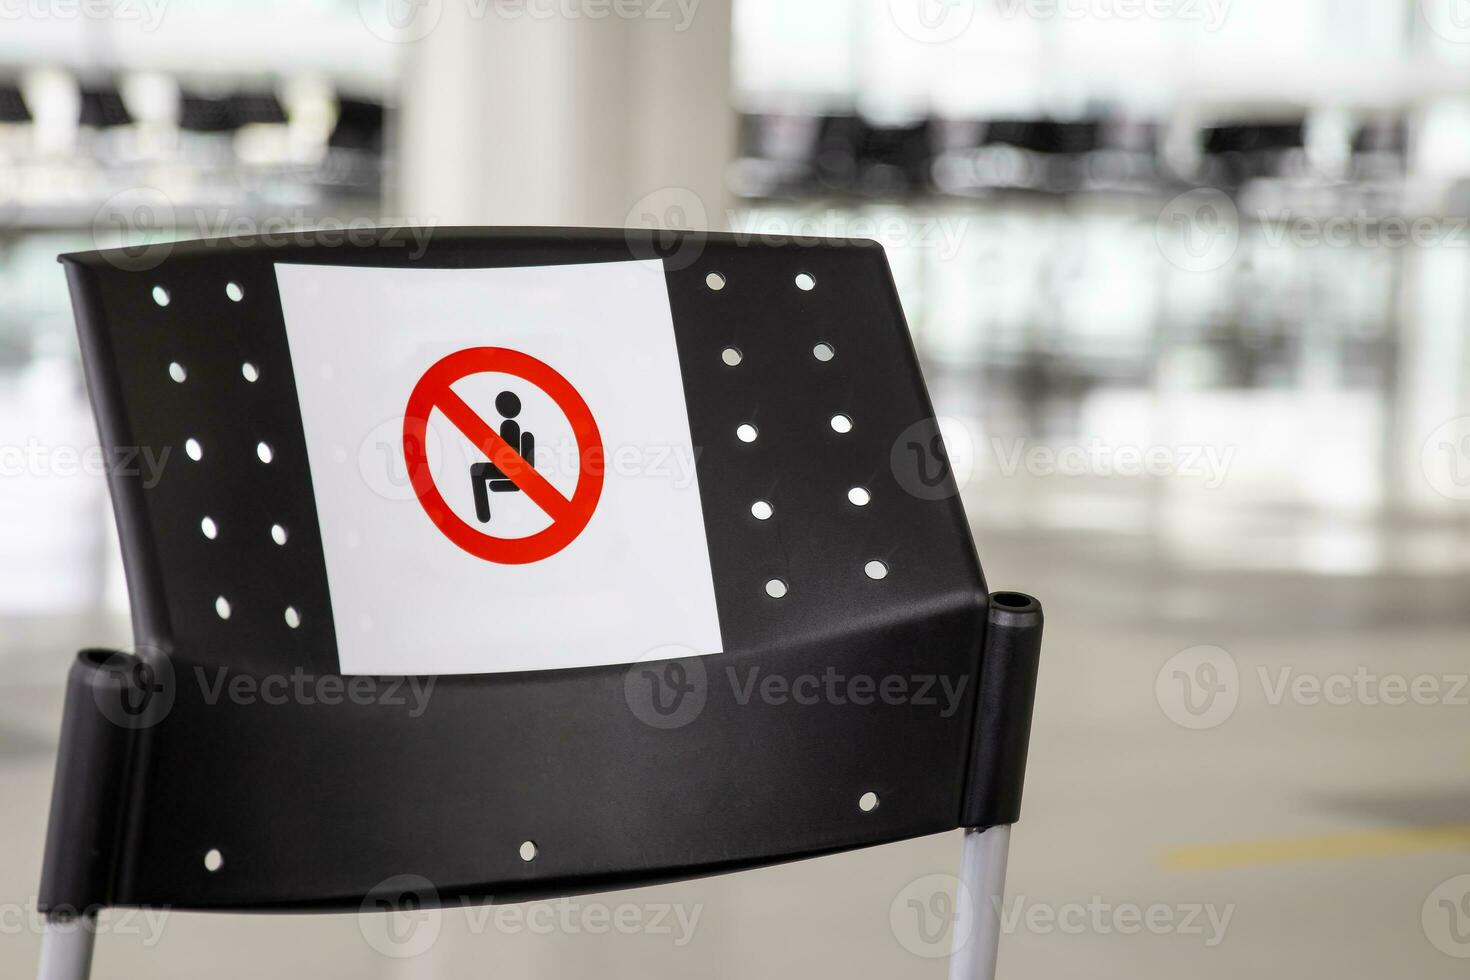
x=314, y=805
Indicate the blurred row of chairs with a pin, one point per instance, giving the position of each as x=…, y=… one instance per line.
x=69, y=145
x=846, y=153
x=359, y=123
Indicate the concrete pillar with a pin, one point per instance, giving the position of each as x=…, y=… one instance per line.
x=567, y=112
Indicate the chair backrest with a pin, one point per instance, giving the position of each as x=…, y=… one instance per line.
x=746, y=627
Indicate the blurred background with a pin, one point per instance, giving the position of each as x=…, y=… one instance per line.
x=1189, y=279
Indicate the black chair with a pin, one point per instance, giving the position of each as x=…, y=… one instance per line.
x=802, y=394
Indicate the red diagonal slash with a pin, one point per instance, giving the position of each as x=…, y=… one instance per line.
x=499, y=452
x=568, y=517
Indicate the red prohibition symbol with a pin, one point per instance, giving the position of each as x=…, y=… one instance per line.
x=568, y=517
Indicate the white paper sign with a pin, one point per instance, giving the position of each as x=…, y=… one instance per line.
x=445, y=555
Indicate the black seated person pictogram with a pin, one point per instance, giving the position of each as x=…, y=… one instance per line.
x=487, y=478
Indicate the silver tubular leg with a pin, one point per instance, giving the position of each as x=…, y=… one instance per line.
x=66, y=948
x=983, y=874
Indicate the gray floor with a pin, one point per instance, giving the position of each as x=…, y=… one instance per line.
x=1290, y=839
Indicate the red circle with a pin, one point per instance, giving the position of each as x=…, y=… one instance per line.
x=425, y=398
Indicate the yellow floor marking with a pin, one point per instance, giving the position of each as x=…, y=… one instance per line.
x=1321, y=847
